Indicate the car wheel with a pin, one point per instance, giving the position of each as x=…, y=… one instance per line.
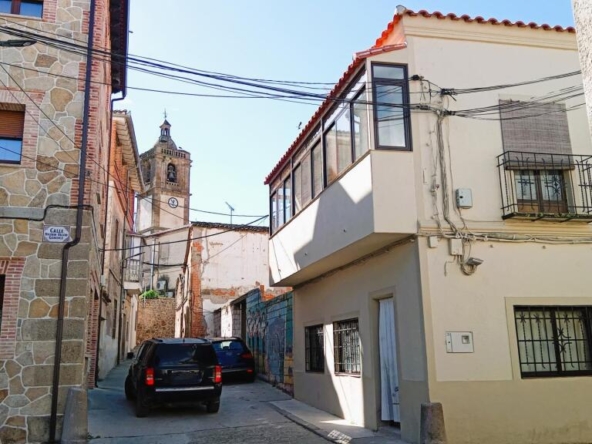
x=129, y=389
x=142, y=407
x=213, y=406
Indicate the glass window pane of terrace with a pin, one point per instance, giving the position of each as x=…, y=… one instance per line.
x=331, y=154
x=389, y=115
x=317, y=168
x=343, y=137
x=360, y=116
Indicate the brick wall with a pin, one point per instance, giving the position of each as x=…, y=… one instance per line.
x=156, y=319
x=13, y=270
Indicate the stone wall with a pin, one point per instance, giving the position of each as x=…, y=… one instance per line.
x=156, y=319
x=43, y=82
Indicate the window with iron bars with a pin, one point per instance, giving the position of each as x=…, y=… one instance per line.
x=314, y=348
x=346, y=344
x=554, y=341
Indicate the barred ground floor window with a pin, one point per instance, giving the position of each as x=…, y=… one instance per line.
x=346, y=344
x=554, y=340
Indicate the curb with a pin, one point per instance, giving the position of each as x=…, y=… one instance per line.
x=307, y=425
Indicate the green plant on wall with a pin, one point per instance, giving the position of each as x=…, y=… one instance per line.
x=150, y=294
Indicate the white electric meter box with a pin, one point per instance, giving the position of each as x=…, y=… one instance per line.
x=459, y=342
x=464, y=198
x=456, y=248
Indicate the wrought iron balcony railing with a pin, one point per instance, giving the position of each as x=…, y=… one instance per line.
x=545, y=186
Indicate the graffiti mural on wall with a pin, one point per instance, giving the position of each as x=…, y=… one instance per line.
x=270, y=338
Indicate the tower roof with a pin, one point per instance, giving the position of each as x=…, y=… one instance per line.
x=165, y=136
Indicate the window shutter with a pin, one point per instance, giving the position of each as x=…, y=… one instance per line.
x=11, y=124
x=535, y=127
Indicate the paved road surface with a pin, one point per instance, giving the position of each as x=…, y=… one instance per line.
x=245, y=416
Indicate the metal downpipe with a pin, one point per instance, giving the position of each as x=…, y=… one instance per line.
x=78, y=233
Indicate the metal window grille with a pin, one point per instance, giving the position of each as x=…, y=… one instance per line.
x=545, y=186
x=346, y=343
x=554, y=341
x=314, y=348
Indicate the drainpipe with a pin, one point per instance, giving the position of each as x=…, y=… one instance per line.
x=78, y=233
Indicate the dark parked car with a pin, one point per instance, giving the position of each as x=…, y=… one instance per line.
x=174, y=371
x=235, y=357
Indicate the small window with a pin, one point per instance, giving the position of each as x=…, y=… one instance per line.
x=11, y=136
x=346, y=344
x=554, y=341
x=314, y=349
x=30, y=8
x=391, y=112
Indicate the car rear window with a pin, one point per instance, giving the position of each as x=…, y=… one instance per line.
x=230, y=345
x=179, y=354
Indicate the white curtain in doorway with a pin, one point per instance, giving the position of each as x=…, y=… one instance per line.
x=389, y=379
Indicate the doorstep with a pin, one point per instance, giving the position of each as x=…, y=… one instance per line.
x=333, y=428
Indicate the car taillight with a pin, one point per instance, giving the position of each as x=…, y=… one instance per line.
x=149, y=376
x=217, y=374
x=247, y=356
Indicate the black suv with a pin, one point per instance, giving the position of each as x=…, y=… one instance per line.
x=180, y=370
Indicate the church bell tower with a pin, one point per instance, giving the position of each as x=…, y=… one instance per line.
x=164, y=203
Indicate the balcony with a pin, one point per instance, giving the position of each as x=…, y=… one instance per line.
x=554, y=187
x=371, y=206
x=133, y=275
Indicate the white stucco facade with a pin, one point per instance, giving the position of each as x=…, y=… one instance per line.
x=388, y=225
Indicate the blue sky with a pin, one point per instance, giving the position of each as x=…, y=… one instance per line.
x=235, y=143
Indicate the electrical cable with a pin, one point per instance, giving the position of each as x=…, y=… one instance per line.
x=234, y=228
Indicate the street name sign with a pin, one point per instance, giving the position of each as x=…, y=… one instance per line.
x=56, y=233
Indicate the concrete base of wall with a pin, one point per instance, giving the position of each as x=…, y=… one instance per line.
x=75, y=426
x=432, y=430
